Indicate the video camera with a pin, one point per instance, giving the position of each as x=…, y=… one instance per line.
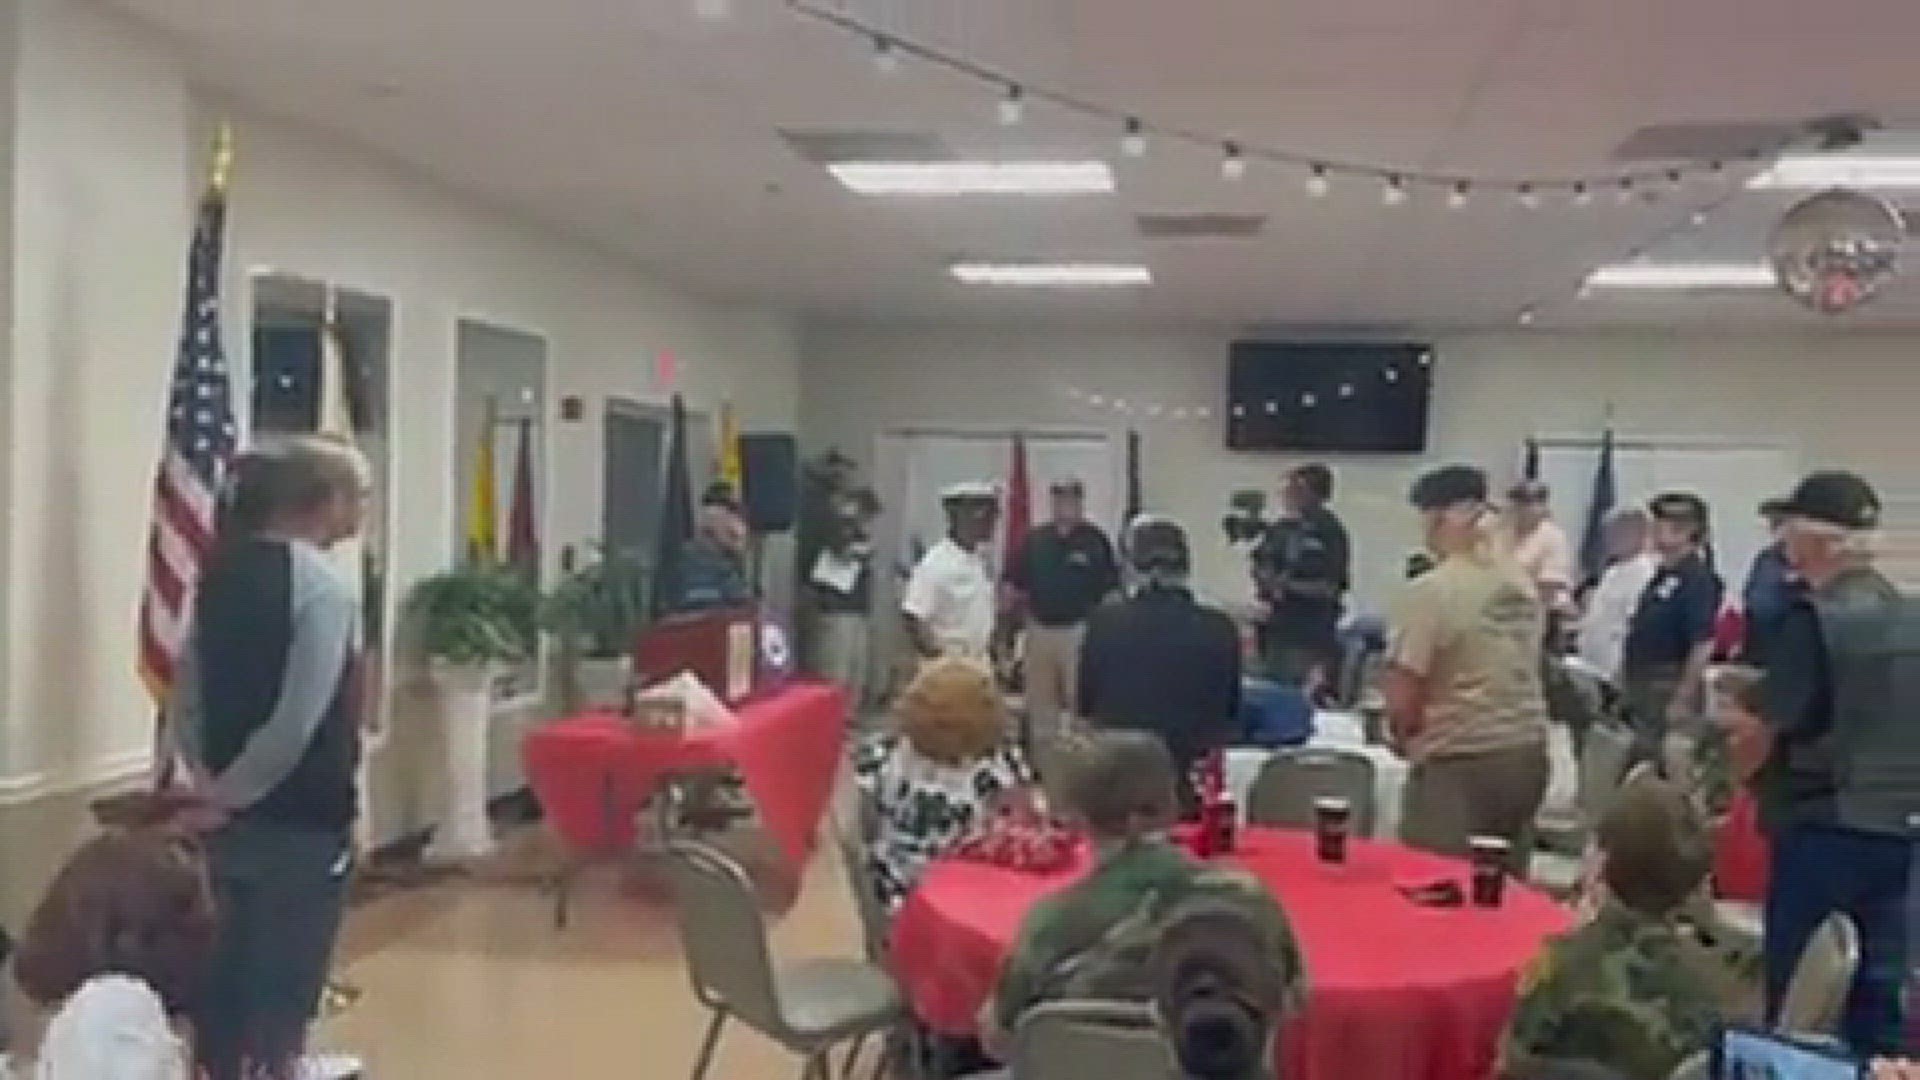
x=1246, y=519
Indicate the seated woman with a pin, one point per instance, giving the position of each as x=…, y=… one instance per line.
x=1098, y=939
x=1630, y=990
x=930, y=785
x=117, y=949
x=1741, y=856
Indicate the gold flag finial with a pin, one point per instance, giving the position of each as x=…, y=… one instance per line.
x=222, y=158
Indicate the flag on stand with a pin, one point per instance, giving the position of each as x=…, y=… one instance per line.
x=1019, y=501
x=483, y=545
x=197, y=446
x=731, y=471
x=1135, y=506
x=1593, y=541
x=523, y=527
x=676, y=515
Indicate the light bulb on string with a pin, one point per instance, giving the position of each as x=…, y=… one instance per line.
x=1153, y=410
x=1203, y=413
x=1239, y=412
x=1309, y=399
x=1392, y=374
x=1582, y=195
x=1134, y=142
x=1697, y=218
x=1233, y=164
x=1013, y=106
x=1527, y=315
x=1426, y=359
x=1346, y=390
x=1675, y=180
x=1394, y=193
x=1317, y=183
x=1457, y=198
x=1623, y=192
x=1273, y=407
x=886, y=60
x=1529, y=198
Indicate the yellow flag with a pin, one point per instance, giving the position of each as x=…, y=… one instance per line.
x=482, y=513
x=731, y=472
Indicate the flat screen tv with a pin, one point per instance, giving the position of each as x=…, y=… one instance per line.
x=1329, y=397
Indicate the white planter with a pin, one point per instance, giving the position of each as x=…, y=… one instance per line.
x=465, y=695
x=602, y=682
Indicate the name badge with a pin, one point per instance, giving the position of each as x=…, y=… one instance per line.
x=1668, y=588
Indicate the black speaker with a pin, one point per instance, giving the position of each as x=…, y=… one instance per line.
x=770, y=472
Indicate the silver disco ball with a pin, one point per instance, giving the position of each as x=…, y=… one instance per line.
x=1835, y=250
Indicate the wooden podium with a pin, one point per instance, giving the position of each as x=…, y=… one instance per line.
x=721, y=647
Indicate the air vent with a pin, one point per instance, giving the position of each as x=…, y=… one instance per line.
x=827, y=147
x=1200, y=226
x=1703, y=142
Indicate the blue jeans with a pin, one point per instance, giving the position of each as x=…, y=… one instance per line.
x=281, y=891
x=1822, y=869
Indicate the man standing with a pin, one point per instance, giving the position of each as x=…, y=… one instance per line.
x=1062, y=571
x=1161, y=662
x=1840, y=791
x=1463, y=688
x=1540, y=544
x=1301, y=570
x=840, y=584
x=949, y=606
x=1771, y=588
x=1670, y=639
x=712, y=572
x=1610, y=607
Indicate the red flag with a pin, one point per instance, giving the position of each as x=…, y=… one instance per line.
x=523, y=531
x=1019, y=499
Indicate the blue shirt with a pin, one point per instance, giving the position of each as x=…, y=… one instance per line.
x=1772, y=587
x=1675, y=613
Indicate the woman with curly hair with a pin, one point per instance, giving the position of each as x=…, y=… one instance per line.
x=930, y=784
x=117, y=949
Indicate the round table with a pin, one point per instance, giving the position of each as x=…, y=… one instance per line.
x=1396, y=990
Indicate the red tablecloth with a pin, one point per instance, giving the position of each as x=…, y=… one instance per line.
x=1396, y=991
x=592, y=772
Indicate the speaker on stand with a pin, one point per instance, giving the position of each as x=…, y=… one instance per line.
x=770, y=501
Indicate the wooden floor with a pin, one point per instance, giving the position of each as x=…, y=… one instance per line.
x=471, y=979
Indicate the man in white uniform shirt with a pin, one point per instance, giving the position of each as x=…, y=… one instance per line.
x=950, y=603
x=1631, y=565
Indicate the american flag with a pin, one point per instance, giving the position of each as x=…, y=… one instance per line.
x=193, y=459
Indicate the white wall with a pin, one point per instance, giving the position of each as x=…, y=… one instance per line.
x=111, y=137
x=1827, y=398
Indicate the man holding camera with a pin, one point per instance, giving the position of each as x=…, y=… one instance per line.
x=1301, y=569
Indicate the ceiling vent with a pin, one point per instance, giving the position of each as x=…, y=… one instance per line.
x=1204, y=226
x=1704, y=142
x=827, y=147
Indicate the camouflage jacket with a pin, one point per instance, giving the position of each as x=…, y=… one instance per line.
x=1626, y=991
x=1095, y=940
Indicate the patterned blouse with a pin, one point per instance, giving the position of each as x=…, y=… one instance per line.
x=924, y=808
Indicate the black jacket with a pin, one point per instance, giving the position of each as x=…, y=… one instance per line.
x=1160, y=662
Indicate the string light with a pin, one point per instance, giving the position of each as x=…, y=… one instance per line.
x=1317, y=183
x=1239, y=412
x=1233, y=165
x=1697, y=218
x=1203, y=413
x=1457, y=198
x=1529, y=198
x=1134, y=142
x=1309, y=400
x=1624, y=193
x=1013, y=107
x=1527, y=316
x=1582, y=195
x=1272, y=407
x=885, y=59
x=1395, y=191
x=1393, y=374
x=1346, y=390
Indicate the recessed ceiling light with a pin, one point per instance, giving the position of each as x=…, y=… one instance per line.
x=965, y=177
x=1682, y=276
x=1800, y=171
x=1058, y=275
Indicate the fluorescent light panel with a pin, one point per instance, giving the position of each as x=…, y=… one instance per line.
x=1806, y=171
x=1682, y=276
x=1057, y=275
x=938, y=178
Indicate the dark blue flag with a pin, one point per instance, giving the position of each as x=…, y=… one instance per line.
x=1593, y=542
x=676, y=515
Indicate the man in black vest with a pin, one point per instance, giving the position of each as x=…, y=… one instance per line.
x=267, y=710
x=1840, y=791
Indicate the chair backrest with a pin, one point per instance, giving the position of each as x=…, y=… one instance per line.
x=724, y=936
x=853, y=830
x=1603, y=766
x=1818, y=991
x=1290, y=781
x=1070, y=1040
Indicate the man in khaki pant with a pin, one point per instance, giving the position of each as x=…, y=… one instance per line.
x=1061, y=572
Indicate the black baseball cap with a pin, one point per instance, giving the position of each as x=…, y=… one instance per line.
x=1679, y=506
x=1835, y=497
x=1449, y=485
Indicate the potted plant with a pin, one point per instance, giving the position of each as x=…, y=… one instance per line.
x=468, y=622
x=594, y=614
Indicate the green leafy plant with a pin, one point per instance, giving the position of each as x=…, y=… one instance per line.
x=599, y=608
x=475, y=614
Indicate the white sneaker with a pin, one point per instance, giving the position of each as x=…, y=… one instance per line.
x=329, y=1067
